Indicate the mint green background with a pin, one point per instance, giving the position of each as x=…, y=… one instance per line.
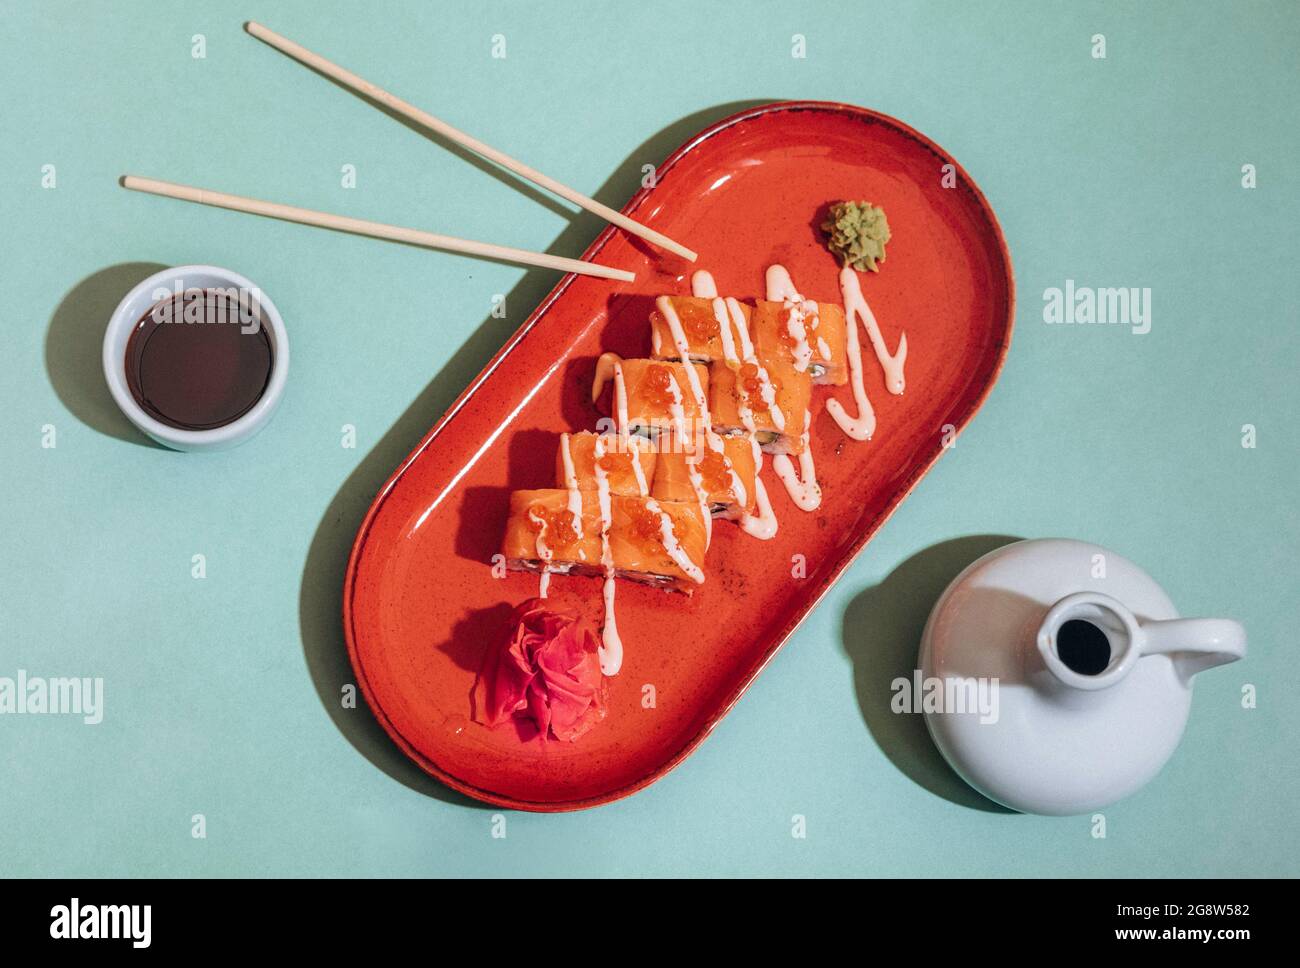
x=1117, y=172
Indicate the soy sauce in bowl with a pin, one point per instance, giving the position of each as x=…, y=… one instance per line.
x=200, y=359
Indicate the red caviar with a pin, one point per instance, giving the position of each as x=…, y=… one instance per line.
x=558, y=523
x=615, y=463
x=750, y=381
x=698, y=322
x=783, y=331
x=658, y=385
x=646, y=524
x=713, y=471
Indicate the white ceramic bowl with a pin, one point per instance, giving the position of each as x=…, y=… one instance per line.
x=137, y=302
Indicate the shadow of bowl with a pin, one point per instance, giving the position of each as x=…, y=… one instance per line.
x=74, y=347
x=882, y=635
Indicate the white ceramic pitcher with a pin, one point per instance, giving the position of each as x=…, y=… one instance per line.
x=1089, y=666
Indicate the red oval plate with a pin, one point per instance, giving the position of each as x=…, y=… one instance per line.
x=420, y=600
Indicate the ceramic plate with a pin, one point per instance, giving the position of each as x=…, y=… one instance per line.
x=421, y=602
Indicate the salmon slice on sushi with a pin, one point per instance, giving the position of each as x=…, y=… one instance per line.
x=554, y=530
x=696, y=325
x=808, y=335
x=651, y=397
x=712, y=470
x=769, y=399
x=659, y=543
x=626, y=462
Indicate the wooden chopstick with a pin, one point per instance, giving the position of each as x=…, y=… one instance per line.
x=379, y=230
x=391, y=101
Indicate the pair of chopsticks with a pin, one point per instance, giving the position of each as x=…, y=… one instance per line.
x=396, y=233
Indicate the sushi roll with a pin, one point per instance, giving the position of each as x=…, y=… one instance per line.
x=700, y=322
x=660, y=543
x=808, y=335
x=554, y=530
x=714, y=470
x=769, y=399
x=627, y=462
x=654, y=396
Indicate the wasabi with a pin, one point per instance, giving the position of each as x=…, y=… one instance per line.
x=857, y=233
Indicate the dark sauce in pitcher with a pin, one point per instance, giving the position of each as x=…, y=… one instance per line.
x=200, y=359
x=1083, y=647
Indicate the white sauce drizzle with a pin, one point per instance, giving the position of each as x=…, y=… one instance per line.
x=702, y=497
x=671, y=545
x=742, y=329
x=669, y=313
x=802, y=485
x=724, y=330
x=575, y=496
x=675, y=409
x=570, y=477
x=678, y=414
x=767, y=392
x=703, y=286
x=762, y=525
x=620, y=403
x=737, y=485
x=606, y=364
x=610, y=651
x=544, y=554
x=665, y=306
x=637, y=469
x=863, y=425
x=729, y=315
x=801, y=316
x=855, y=306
